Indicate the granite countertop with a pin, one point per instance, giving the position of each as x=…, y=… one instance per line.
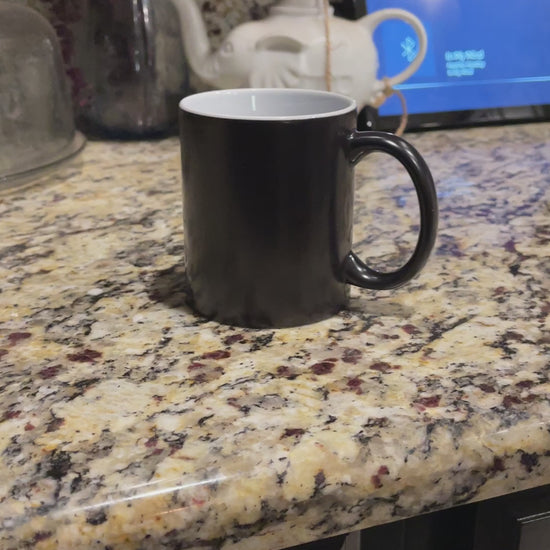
x=126, y=422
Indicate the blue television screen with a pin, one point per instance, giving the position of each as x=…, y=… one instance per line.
x=482, y=54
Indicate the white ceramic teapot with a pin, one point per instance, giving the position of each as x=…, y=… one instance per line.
x=288, y=50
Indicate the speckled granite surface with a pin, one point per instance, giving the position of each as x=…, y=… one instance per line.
x=128, y=423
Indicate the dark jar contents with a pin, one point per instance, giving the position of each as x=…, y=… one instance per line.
x=127, y=65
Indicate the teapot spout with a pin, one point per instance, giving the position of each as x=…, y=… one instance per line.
x=195, y=40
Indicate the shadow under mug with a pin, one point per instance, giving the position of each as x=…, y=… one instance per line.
x=268, y=204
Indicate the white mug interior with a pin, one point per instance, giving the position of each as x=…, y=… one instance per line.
x=267, y=104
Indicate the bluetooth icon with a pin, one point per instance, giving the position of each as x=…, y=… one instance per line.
x=409, y=49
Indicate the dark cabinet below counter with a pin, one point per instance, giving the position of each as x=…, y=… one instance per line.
x=515, y=522
x=520, y=521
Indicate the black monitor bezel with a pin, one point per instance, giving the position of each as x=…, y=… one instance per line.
x=462, y=119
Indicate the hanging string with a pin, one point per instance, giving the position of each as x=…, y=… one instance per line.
x=328, y=57
x=386, y=92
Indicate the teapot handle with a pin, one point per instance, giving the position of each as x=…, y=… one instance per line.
x=374, y=19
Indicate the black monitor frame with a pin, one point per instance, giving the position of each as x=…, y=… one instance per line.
x=460, y=119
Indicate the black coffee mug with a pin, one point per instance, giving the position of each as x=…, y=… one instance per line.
x=268, y=204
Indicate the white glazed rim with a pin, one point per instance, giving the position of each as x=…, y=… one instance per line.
x=192, y=103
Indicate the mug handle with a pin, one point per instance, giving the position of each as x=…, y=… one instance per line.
x=356, y=272
x=374, y=19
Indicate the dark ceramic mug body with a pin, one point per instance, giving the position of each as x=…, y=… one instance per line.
x=268, y=204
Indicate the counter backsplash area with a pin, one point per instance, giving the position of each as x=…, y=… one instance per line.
x=221, y=16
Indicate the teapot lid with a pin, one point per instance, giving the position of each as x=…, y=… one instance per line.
x=299, y=7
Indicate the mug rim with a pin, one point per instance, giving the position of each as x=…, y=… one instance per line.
x=188, y=103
